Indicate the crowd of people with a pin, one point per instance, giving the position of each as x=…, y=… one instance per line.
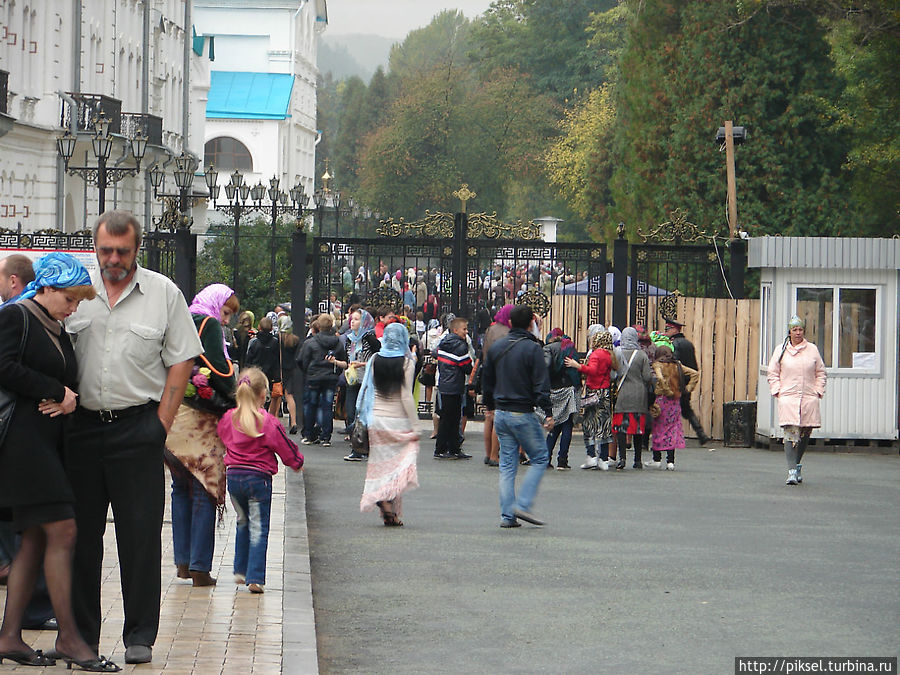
x=106, y=377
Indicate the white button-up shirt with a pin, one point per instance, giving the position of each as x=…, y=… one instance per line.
x=124, y=352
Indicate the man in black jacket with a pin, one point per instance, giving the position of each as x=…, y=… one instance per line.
x=317, y=361
x=515, y=382
x=684, y=353
x=454, y=364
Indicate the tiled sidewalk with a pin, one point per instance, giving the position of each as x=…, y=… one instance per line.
x=221, y=629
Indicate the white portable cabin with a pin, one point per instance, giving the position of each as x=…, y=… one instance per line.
x=846, y=289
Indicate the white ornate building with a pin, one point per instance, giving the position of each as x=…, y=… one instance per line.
x=261, y=113
x=65, y=60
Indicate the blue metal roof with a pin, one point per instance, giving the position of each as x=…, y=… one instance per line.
x=254, y=96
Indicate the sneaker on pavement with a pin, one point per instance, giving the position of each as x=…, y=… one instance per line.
x=510, y=523
x=325, y=444
x=620, y=465
x=799, y=477
x=462, y=455
x=602, y=465
x=354, y=457
x=563, y=466
x=652, y=465
x=590, y=463
x=792, y=477
x=670, y=466
x=307, y=441
x=637, y=465
x=240, y=579
x=444, y=455
x=257, y=588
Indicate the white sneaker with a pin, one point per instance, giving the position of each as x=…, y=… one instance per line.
x=792, y=477
x=652, y=465
x=590, y=463
x=602, y=466
x=670, y=466
x=799, y=477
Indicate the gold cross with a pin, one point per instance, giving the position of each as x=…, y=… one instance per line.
x=464, y=194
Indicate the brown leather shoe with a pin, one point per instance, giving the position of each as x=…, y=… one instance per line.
x=202, y=579
x=182, y=572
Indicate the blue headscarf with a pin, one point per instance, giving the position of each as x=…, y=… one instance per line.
x=394, y=342
x=59, y=270
x=366, y=325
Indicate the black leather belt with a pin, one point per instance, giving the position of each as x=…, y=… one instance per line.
x=108, y=416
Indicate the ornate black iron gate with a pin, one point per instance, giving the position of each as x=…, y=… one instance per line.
x=665, y=267
x=473, y=264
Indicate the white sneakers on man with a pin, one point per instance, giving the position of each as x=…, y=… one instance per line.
x=590, y=463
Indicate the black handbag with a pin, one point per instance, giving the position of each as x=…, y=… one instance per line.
x=359, y=439
x=7, y=398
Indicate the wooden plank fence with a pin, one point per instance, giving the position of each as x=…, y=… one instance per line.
x=725, y=334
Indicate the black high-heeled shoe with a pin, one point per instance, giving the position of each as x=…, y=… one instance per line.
x=97, y=664
x=32, y=658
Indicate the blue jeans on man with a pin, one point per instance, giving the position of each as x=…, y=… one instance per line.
x=193, y=523
x=516, y=429
x=251, y=496
x=318, y=408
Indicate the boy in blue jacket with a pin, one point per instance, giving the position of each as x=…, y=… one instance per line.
x=454, y=364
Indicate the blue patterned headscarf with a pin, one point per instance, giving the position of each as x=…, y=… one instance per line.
x=58, y=270
x=394, y=342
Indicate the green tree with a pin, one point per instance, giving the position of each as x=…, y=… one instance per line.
x=580, y=162
x=547, y=40
x=214, y=261
x=692, y=65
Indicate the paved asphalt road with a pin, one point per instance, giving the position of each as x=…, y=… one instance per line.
x=635, y=572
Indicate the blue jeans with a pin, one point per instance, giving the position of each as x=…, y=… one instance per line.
x=516, y=429
x=563, y=432
x=318, y=408
x=193, y=523
x=251, y=496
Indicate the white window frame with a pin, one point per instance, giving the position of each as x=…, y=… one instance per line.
x=876, y=371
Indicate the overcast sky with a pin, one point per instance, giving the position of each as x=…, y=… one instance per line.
x=392, y=18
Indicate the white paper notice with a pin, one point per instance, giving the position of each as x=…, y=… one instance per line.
x=864, y=360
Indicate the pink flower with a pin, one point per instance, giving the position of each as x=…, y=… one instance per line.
x=200, y=380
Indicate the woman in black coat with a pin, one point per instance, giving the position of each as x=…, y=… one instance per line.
x=34, y=489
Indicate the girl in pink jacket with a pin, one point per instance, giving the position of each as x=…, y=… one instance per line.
x=797, y=380
x=252, y=438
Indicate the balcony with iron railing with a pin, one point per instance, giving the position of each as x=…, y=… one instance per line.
x=89, y=107
x=150, y=125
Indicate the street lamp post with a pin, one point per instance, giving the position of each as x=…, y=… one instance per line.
x=176, y=217
x=236, y=193
x=101, y=144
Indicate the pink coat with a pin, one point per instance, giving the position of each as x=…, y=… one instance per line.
x=798, y=382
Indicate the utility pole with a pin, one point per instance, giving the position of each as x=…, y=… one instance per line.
x=732, y=184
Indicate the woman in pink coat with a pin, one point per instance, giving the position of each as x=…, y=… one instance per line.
x=797, y=380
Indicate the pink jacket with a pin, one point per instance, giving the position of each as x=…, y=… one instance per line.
x=258, y=454
x=798, y=382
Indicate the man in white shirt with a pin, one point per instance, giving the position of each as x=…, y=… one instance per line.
x=135, y=344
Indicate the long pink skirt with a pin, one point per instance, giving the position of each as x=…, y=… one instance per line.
x=668, y=433
x=391, y=470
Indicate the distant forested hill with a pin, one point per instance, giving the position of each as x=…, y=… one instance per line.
x=353, y=55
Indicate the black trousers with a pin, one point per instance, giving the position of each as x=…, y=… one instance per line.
x=448, y=425
x=119, y=463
